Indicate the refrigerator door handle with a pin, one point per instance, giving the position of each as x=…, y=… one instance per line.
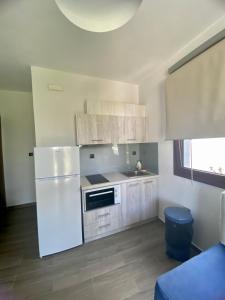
x=58, y=177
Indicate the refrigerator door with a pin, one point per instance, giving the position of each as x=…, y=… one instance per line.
x=58, y=214
x=56, y=161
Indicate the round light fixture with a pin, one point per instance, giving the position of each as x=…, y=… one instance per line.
x=99, y=15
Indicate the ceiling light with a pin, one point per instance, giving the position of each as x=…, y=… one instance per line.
x=99, y=15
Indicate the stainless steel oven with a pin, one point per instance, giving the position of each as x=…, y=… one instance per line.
x=101, y=197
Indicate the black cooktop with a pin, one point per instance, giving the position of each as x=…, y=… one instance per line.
x=96, y=179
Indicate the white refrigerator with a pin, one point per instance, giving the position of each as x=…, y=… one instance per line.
x=57, y=179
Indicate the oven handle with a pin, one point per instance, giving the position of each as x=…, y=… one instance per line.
x=103, y=193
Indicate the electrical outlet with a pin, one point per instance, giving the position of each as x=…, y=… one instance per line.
x=92, y=155
x=134, y=152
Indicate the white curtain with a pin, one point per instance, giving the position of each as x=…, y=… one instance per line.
x=195, y=97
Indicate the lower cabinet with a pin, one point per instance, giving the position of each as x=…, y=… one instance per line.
x=101, y=221
x=131, y=201
x=138, y=204
x=139, y=201
x=149, y=207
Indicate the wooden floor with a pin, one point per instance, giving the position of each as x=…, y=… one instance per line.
x=120, y=267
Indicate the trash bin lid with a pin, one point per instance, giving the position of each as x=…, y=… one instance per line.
x=180, y=215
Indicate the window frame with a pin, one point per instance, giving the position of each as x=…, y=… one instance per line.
x=199, y=176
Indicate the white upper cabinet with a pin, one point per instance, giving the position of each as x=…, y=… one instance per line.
x=99, y=129
x=117, y=130
x=111, y=123
x=130, y=130
x=93, y=129
x=135, y=130
x=109, y=108
x=103, y=129
x=141, y=133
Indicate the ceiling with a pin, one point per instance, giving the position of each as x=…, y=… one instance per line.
x=35, y=32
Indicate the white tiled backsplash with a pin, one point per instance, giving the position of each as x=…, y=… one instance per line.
x=108, y=158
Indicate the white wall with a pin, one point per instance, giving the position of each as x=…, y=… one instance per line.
x=202, y=199
x=152, y=94
x=18, y=140
x=54, y=111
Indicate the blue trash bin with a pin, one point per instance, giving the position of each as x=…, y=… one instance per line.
x=178, y=232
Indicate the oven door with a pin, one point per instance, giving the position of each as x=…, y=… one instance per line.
x=99, y=198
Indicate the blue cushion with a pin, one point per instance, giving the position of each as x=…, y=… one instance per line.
x=200, y=278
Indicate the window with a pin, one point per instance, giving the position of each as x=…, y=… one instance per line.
x=202, y=160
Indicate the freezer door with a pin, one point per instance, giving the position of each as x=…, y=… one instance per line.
x=58, y=214
x=56, y=161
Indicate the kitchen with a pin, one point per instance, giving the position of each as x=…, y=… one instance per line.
x=112, y=149
x=112, y=141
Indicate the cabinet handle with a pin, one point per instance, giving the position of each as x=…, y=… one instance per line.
x=103, y=226
x=145, y=182
x=131, y=139
x=103, y=215
x=133, y=184
x=97, y=140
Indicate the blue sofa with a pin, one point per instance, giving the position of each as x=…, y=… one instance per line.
x=200, y=278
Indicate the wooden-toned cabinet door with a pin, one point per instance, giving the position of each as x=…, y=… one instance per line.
x=140, y=130
x=101, y=221
x=93, y=129
x=132, y=203
x=135, y=129
x=118, y=130
x=149, y=207
x=147, y=129
x=130, y=130
x=104, y=131
x=86, y=129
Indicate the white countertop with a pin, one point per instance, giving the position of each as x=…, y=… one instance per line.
x=114, y=178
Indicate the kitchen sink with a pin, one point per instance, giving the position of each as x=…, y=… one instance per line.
x=137, y=173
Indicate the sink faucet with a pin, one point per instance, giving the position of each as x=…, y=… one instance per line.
x=139, y=165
